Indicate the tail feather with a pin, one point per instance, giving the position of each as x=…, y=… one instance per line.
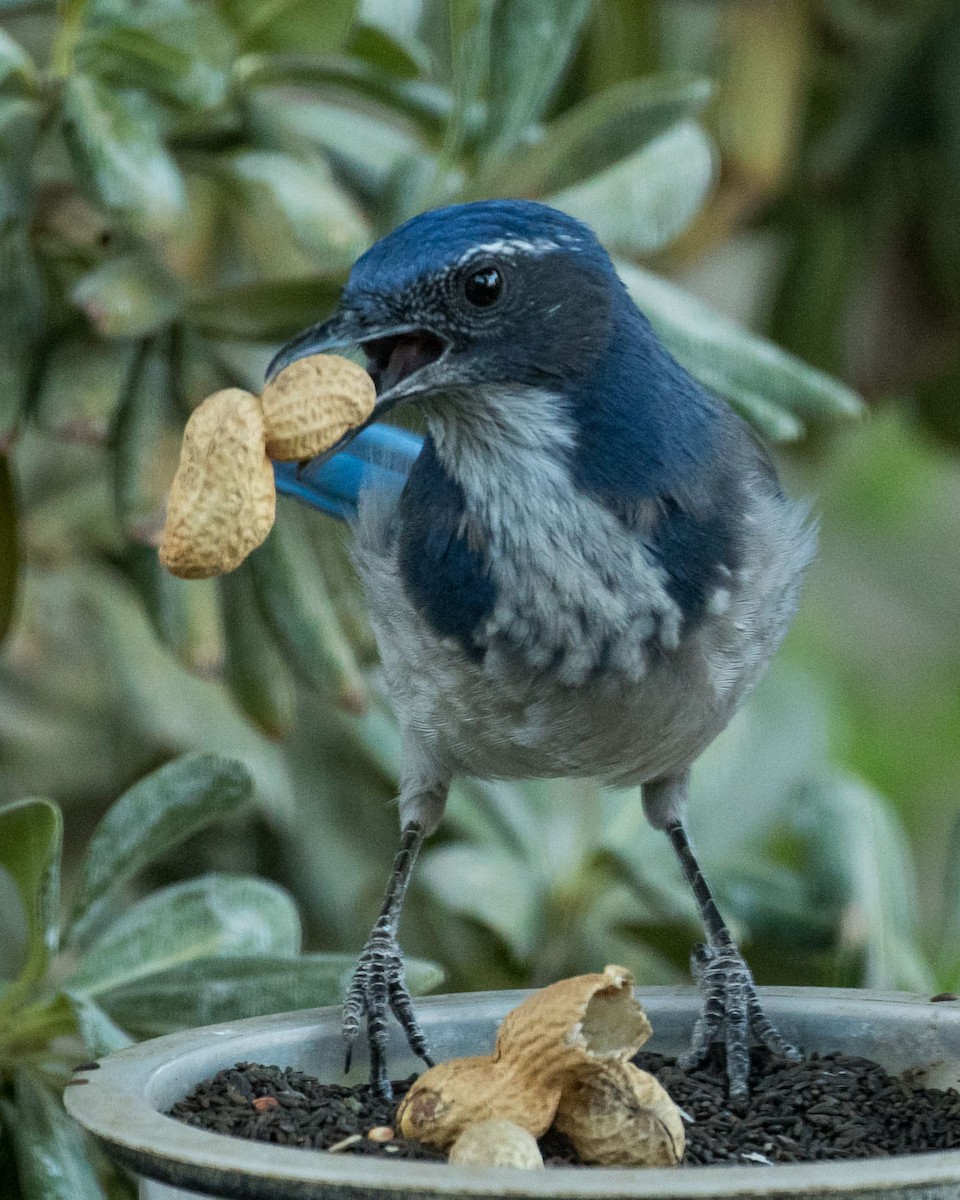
x=379, y=457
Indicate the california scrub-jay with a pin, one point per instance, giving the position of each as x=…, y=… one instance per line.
x=584, y=570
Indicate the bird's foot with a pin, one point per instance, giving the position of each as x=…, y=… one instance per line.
x=731, y=1014
x=376, y=989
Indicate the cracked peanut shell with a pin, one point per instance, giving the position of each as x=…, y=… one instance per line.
x=576, y=1022
x=222, y=501
x=312, y=403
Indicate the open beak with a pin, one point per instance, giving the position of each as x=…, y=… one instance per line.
x=399, y=358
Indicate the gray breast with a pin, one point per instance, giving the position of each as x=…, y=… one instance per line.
x=534, y=703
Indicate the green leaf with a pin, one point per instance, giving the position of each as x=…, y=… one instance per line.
x=299, y=202
x=490, y=886
x=22, y=292
x=626, y=40
x=266, y=311
x=22, y=302
x=243, y=363
x=645, y=201
x=84, y=381
x=774, y=903
x=115, y=699
x=469, y=30
x=825, y=255
x=17, y=71
x=185, y=613
x=15, y=373
x=119, y=155
x=49, y=1147
x=196, y=375
x=344, y=776
x=255, y=670
x=948, y=958
x=875, y=100
x=595, y=135
x=126, y=297
x=145, y=440
x=9, y=548
x=862, y=843
x=99, y=1034
x=301, y=25
x=771, y=388
x=150, y=819
x=425, y=104
x=215, y=916
x=182, y=52
x=531, y=44
x=164, y=596
x=19, y=131
x=383, y=51
x=199, y=643
x=402, y=21
x=210, y=991
x=296, y=605
x=31, y=839
x=366, y=143
x=738, y=797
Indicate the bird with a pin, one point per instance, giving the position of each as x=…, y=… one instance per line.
x=581, y=570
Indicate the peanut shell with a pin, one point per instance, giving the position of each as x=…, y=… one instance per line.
x=496, y=1144
x=223, y=500
x=572, y=1023
x=619, y=1116
x=449, y=1097
x=312, y=403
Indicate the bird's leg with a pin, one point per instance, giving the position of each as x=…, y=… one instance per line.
x=731, y=1008
x=378, y=985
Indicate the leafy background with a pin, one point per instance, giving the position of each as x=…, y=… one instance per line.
x=183, y=183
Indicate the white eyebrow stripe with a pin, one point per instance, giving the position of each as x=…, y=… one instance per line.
x=513, y=245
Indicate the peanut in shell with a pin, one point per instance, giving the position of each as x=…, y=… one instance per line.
x=453, y=1095
x=222, y=501
x=496, y=1143
x=619, y=1116
x=312, y=403
x=551, y=1038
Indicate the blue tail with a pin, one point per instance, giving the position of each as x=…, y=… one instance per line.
x=379, y=456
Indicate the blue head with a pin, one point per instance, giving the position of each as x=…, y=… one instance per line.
x=496, y=292
x=459, y=305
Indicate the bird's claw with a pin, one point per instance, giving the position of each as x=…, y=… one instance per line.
x=731, y=1014
x=376, y=989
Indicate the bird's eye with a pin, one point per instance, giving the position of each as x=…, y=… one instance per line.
x=483, y=287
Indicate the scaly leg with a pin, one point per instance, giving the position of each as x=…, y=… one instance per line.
x=731, y=1009
x=378, y=985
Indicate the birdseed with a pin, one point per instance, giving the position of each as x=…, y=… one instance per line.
x=828, y=1107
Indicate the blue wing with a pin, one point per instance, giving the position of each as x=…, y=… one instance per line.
x=380, y=456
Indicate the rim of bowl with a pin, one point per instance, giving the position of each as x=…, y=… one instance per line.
x=112, y=1104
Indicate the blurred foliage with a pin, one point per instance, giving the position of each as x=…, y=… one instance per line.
x=213, y=948
x=183, y=184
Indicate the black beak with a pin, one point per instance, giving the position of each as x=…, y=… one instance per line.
x=396, y=354
x=399, y=358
